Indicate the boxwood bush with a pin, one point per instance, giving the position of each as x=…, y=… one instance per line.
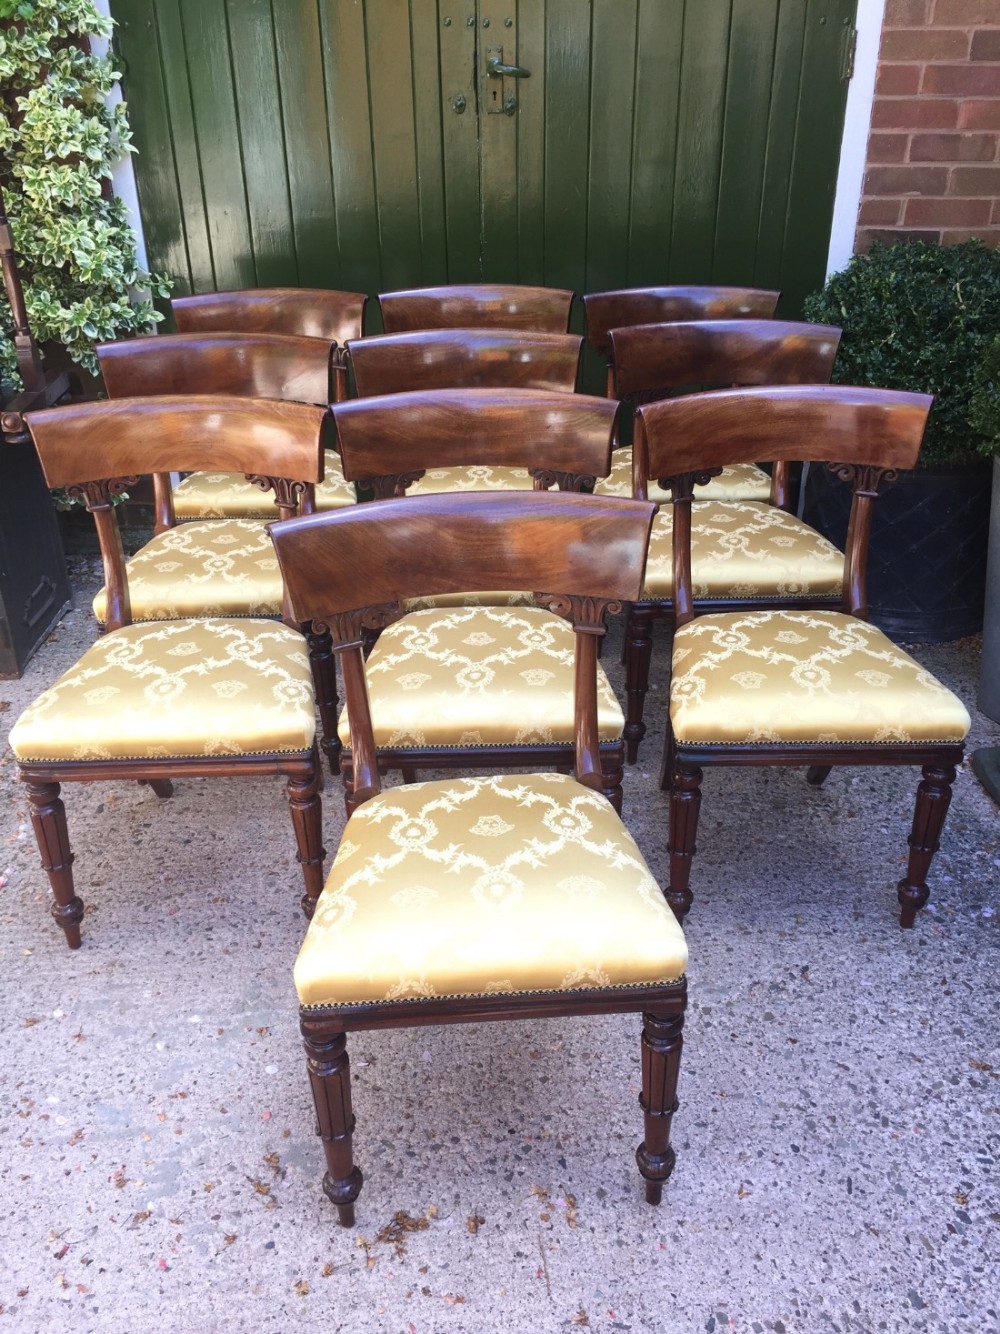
x=922, y=317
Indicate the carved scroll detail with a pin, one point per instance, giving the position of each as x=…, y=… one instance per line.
x=392, y=484
x=287, y=493
x=586, y=614
x=97, y=495
x=866, y=477
x=565, y=481
x=683, y=484
x=346, y=627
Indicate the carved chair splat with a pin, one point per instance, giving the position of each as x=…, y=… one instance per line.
x=815, y=689
x=172, y=698
x=435, y=675
x=748, y=551
x=514, y=936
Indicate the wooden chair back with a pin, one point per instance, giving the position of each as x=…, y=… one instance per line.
x=649, y=361
x=604, y=311
x=354, y=570
x=97, y=450
x=285, y=366
x=864, y=435
x=386, y=443
x=477, y=306
x=658, y=358
x=465, y=359
x=310, y=312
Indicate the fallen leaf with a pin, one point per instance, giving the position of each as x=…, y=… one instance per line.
x=261, y=1187
x=229, y=1238
x=76, y=1137
x=163, y=1265
x=474, y=1222
x=302, y=1288
x=581, y=1318
x=327, y=1270
x=31, y=1022
x=82, y=1287
x=138, y=1219
x=273, y=1161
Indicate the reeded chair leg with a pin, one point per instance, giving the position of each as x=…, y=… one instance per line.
x=330, y=1077
x=638, y=652
x=324, y=672
x=48, y=819
x=662, y=1041
x=685, y=804
x=817, y=774
x=933, y=800
x=307, y=821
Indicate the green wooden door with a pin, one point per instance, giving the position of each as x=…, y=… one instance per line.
x=362, y=144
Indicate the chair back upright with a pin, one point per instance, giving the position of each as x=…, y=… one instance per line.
x=97, y=450
x=292, y=368
x=310, y=312
x=387, y=442
x=355, y=569
x=465, y=359
x=650, y=361
x=477, y=306
x=865, y=435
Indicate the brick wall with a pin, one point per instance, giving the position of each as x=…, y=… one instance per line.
x=933, y=169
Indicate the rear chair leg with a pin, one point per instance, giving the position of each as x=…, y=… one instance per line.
x=817, y=774
x=933, y=800
x=612, y=773
x=330, y=1077
x=638, y=652
x=161, y=786
x=48, y=819
x=324, y=673
x=307, y=820
x=685, y=803
x=662, y=1041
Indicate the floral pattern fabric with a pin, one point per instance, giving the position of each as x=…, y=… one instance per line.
x=486, y=886
x=177, y=690
x=803, y=678
x=228, y=495
x=737, y=481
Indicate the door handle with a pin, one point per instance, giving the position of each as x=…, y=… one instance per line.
x=496, y=69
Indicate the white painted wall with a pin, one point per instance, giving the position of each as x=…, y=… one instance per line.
x=857, y=123
x=123, y=177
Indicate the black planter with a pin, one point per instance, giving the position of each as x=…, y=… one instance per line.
x=927, y=560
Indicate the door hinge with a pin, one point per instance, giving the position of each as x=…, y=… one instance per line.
x=848, y=53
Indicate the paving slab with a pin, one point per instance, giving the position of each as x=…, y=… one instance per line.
x=838, y=1137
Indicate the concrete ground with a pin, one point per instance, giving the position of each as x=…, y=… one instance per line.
x=838, y=1138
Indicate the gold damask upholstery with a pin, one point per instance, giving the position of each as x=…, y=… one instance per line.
x=228, y=495
x=476, y=478
x=803, y=677
x=738, y=481
x=744, y=550
x=177, y=690
x=482, y=886
x=478, y=677
x=221, y=567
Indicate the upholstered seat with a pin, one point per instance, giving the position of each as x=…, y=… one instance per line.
x=479, y=478
x=228, y=495
x=221, y=567
x=478, y=677
x=803, y=678
x=174, y=691
x=745, y=550
x=741, y=481
x=483, y=886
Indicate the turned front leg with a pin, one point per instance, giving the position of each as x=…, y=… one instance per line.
x=330, y=1077
x=48, y=819
x=685, y=805
x=933, y=800
x=307, y=821
x=661, y=1063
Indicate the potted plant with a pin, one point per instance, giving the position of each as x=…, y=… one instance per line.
x=922, y=317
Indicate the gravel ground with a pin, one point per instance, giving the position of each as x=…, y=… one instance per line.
x=838, y=1137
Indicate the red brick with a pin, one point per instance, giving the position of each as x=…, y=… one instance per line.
x=906, y=13
x=969, y=181
x=906, y=180
x=986, y=44
x=915, y=113
x=963, y=80
x=880, y=212
x=947, y=212
x=898, y=80
x=867, y=235
x=996, y=212
x=991, y=235
x=925, y=44
x=961, y=12
x=980, y=115
x=889, y=147
x=947, y=147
